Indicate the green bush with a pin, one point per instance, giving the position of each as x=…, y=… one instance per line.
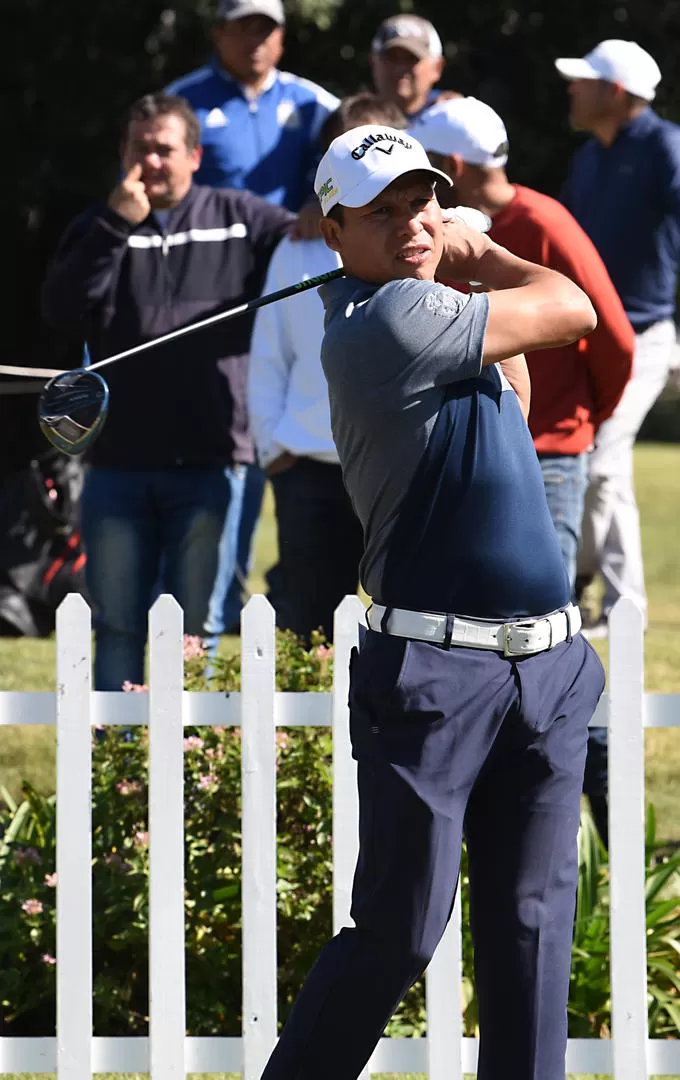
x=213, y=854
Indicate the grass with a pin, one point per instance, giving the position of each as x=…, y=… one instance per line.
x=28, y=664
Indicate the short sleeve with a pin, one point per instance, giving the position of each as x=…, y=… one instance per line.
x=412, y=336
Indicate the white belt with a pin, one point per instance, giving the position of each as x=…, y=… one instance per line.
x=518, y=638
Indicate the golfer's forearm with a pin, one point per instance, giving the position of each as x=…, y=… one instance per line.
x=498, y=269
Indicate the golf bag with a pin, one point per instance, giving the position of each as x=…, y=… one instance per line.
x=41, y=555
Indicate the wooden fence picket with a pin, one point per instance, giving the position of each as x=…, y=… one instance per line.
x=167, y=995
x=74, y=841
x=258, y=834
x=627, y=909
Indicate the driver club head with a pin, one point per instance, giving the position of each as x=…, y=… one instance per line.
x=72, y=409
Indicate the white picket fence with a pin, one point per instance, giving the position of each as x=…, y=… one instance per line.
x=167, y=1054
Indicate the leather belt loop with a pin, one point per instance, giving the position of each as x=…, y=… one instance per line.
x=384, y=629
x=448, y=633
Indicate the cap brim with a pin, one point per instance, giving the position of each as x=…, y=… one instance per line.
x=576, y=68
x=418, y=48
x=375, y=184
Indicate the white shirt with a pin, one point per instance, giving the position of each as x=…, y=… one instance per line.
x=287, y=390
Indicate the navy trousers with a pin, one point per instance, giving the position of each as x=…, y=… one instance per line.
x=453, y=741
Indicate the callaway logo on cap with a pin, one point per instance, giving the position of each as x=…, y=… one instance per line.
x=362, y=162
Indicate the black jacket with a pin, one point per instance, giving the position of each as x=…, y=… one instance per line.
x=183, y=403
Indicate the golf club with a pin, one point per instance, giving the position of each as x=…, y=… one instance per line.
x=73, y=405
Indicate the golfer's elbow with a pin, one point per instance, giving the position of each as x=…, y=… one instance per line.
x=577, y=315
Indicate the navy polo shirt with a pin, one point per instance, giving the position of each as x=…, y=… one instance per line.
x=627, y=198
x=436, y=455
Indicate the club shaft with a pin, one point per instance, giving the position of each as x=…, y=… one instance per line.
x=224, y=316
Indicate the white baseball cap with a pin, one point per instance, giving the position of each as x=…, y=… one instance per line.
x=363, y=161
x=616, y=61
x=230, y=10
x=467, y=127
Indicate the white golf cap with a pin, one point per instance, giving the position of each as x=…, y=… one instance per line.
x=362, y=162
x=467, y=127
x=616, y=61
x=230, y=10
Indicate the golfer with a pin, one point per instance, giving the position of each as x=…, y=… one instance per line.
x=471, y=694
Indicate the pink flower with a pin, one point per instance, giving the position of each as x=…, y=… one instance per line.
x=207, y=782
x=141, y=839
x=47, y=959
x=324, y=652
x=128, y=787
x=193, y=646
x=32, y=907
x=134, y=688
x=210, y=753
x=194, y=742
x=51, y=880
x=282, y=740
x=219, y=730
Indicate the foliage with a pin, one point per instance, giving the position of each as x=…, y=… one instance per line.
x=590, y=1004
x=212, y=862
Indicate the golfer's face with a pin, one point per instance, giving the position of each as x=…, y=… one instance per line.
x=168, y=165
x=398, y=235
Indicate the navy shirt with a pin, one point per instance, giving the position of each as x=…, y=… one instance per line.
x=627, y=198
x=436, y=455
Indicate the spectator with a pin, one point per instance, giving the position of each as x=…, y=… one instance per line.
x=407, y=59
x=259, y=130
x=259, y=125
x=624, y=189
x=574, y=389
x=160, y=253
x=320, y=538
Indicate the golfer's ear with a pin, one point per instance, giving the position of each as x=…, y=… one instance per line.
x=330, y=230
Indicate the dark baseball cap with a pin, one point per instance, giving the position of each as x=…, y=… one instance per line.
x=408, y=32
x=240, y=9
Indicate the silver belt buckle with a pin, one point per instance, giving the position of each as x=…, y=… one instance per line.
x=517, y=639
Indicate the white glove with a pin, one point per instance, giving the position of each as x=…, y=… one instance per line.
x=474, y=219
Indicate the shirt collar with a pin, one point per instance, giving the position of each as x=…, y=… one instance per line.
x=247, y=93
x=639, y=124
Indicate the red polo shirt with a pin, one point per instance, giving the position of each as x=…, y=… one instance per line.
x=576, y=387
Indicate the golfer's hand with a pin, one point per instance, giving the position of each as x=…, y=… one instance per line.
x=463, y=249
x=129, y=198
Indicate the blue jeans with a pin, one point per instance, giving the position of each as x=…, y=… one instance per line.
x=564, y=478
x=134, y=524
x=246, y=483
